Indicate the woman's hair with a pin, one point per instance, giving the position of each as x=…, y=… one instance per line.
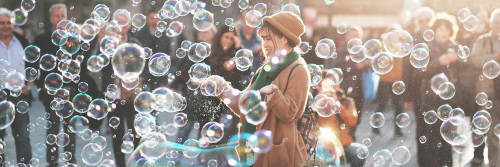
x=217, y=49
x=448, y=21
x=268, y=27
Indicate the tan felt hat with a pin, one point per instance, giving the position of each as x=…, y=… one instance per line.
x=287, y=23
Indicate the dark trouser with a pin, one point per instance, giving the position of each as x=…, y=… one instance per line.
x=385, y=93
x=429, y=154
x=20, y=132
x=53, y=156
x=126, y=113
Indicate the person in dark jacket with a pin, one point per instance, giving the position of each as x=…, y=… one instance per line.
x=11, y=49
x=443, y=59
x=58, y=12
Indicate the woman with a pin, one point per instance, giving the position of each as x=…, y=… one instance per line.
x=443, y=59
x=280, y=35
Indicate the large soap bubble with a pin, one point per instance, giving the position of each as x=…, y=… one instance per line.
x=7, y=114
x=203, y=20
x=127, y=61
x=399, y=43
x=455, y=131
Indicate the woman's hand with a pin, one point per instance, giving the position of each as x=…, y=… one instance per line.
x=237, y=41
x=229, y=65
x=268, y=89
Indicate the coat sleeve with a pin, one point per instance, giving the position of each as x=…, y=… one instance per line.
x=286, y=105
x=477, y=57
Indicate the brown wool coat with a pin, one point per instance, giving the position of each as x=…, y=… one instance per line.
x=284, y=109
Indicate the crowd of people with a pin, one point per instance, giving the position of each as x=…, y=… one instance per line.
x=225, y=41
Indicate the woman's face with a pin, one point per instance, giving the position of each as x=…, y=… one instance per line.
x=268, y=44
x=205, y=36
x=226, y=40
x=442, y=34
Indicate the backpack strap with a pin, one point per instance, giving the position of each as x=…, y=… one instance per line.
x=296, y=65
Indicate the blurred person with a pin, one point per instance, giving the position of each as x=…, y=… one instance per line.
x=164, y=44
x=250, y=40
x=348, y=117
x=125, y=112
x=443, y=59
x=12, y=50
x=423, y=17
x=58, y=12
x=309, y=16
x=384, y=91
x=353, y=72
x=279, y=32
x=486, y=48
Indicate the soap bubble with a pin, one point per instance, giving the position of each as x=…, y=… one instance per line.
x=175, y=28
x=180, y=119
x=253, y=18
x=22, y=107
x=401, y=155
x=372, y=48
x=304, y=47
x=377, y=120
x=199, y=71
x=419, y=58
x=260, y=7
x=353, y=43
x=437, y=81
x=88, y=32
x=213, y=132
x=382, y=158
x=357, y=53
x=31, y=53
x=491, y=69
x=214, y=85
x=7, y=113
x=28, y=5
x=342, y=28
x=144, y=123
x=481, y=98
x=144, y=102
x=90, y=155
x=98, y=109
x=59, y=37
x=257, y=114
x=291, y=8
x=422, y=139
x=362, y=152
x=108, y=45
x=443, y=112
x=122, y=17
x=428, y=35
x=66, y=110
x=316, y=73
x=48, y=62
x=330, y=108
x=403, y=120
x=482, y=119
x=398, y=87
x=192, y=149
x=53, y=81
x=455, y=131
x=81, y=103
x=138, y=20
x=159, y=64
x=95, y=63
x=20, y=17
x=447, y=91
x=325, y=48
x=40, y=150
x=62, y=139
x=471, y=23
x=477, y=138
x=15, y=81
x=463, y=51
x=51, y=139
x=383, y=63
x=203, y=20
x=367, y=142
x=127, y=62
x=78, y=124
x=335, y=75
x=457, y=112
x=463, y=14
x=72, y=44
x=243, y=4
x=399, y=43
